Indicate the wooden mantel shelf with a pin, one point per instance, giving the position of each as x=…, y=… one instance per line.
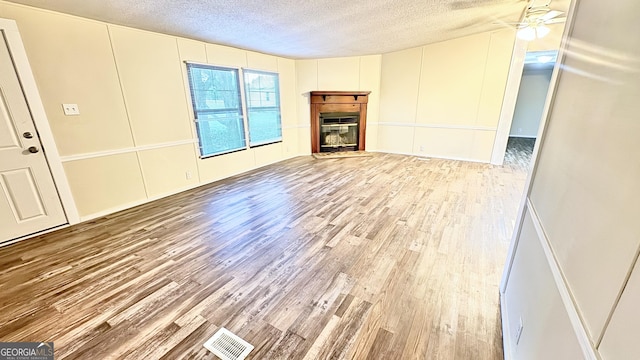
x=341, y=93
x=338, y=101
x=341, y=97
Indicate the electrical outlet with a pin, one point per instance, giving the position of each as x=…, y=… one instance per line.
x=188, y=175
x=71, y=109
x=421, y=148
x=519, y=130
x=519, y=331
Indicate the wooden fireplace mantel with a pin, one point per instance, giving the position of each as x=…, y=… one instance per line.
x=338, y=101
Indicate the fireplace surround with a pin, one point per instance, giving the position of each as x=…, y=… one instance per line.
x=338, y=120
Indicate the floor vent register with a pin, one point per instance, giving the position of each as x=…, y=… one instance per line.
x=228, y=346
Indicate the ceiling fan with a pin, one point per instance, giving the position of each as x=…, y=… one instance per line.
x=535, y=20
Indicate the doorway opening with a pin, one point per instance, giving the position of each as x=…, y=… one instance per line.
x=532, y=96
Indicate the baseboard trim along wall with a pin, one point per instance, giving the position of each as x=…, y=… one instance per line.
x=506, y=331
x=174, y=192
x=427, y=156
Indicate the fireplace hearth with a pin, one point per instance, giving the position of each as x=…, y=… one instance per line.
x=338, y=120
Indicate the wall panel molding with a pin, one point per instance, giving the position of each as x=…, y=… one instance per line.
x=437, y=126
x=126, y=150
x=588, y=348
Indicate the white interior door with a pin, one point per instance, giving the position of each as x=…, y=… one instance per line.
x=29, y=201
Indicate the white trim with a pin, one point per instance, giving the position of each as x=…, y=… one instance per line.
x=133, y=204
x=39, y=233
x=187, y=62
x=506, y=330
x=189, y=102
x=126, y=150
x=509, y=101
x=121, y=86
x=245, y=110
x=427, y=156
x=522, y=137
x=417, y=108
x=568, y=301
x=23, y=69
x=437, y=126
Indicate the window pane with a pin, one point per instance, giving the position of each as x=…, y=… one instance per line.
x=220, y=133
x=262, y=94
x=215, y=94
x=264, y=126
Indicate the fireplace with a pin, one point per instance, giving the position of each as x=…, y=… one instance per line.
x=339, y=131
x=338, y=120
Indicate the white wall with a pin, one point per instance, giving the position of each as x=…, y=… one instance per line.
x=440, y=100
x=532, y=96
x=444, y=99
x=584, y=193
x=136, y=133
x=534, y=301
x=135, y=139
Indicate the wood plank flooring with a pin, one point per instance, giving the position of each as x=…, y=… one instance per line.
x=382, y=257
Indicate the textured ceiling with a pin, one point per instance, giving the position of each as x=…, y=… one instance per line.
x=302, y=28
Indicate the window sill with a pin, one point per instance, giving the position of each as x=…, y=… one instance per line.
x=222, y=153
x=264, y=144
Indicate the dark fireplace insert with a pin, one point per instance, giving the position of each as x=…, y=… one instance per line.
x=339, y=131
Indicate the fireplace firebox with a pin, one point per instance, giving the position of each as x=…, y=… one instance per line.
x=338, y=120
x=339, y=131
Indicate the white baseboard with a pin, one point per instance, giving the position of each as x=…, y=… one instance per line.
x=426, y=155
x=13, y=241
x=174, y=192
x=506, y=332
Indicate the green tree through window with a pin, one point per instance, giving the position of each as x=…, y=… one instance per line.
x=217, y=106
x=218, y=109
x=263, y=107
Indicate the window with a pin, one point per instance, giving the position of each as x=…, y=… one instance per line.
x=262, y=91
x=217, y=106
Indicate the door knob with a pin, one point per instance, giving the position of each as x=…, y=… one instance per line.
x=27, y=135
x=33, y=149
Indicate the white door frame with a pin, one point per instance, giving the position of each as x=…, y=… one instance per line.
x=23, y=69
x=509, y=102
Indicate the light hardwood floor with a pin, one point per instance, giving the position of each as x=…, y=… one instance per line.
x=385, y=257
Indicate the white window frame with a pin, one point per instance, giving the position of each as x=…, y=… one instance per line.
x=243, y=106
x=278, y=107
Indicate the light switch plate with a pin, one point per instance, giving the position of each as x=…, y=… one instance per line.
x=71, y=109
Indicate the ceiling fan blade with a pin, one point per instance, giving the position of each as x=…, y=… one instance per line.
x=556, y=20
x=514, y=25
x=550, y=15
